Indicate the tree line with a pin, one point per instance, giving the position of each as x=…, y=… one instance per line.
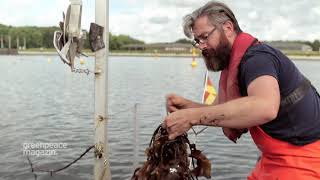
x=42, y=37
x=37, y=37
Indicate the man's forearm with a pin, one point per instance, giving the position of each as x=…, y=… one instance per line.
x=240, y=113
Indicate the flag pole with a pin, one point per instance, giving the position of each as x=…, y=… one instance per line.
x=202, y=101
x=205, y=86
x=101, y=162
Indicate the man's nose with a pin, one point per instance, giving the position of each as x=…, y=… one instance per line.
x=202, y=46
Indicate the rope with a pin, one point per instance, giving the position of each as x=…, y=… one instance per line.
x=196, y=133
x=35, y=169
x=122, y=111
x=105, y=167
x=110, y=116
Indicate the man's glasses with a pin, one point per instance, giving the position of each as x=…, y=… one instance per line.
x=201, y=40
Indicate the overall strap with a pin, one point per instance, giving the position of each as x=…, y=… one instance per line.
x=295, y=96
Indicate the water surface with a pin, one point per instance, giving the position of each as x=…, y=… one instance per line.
x=42, y=101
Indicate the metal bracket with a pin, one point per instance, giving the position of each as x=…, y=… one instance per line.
x=98, y=150
x=96, y=37
x=70, y=40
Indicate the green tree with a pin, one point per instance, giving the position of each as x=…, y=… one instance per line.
x=113, y=42
x=316, y=45
x=185, y=41
x=117, y=42
x=37, y=37
x=47, y=36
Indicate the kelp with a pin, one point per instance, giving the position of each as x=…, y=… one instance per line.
x=169, y=159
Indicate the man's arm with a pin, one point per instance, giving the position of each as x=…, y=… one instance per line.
x=259, y=107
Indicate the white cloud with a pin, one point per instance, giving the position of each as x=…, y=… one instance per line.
x=253, y=15
x=160, y=20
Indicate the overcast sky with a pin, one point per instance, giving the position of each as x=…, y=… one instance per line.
x=160, y=20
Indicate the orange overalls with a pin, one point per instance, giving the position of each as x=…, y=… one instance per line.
x=283, y=161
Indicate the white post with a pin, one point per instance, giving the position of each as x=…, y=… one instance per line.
x=24, y=43
x=9, y=39
x=2, y=42
x=18, y=43
x=101, y=165
x=135, y=138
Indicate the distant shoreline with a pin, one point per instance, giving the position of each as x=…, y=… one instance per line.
x=50, y=53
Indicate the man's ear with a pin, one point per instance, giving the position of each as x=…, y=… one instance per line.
x=228, y=28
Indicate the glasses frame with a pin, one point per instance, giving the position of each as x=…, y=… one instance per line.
x=197, y=41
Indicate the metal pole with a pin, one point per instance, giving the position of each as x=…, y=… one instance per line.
x=24, y=43
x=101, y=165
x=135, y=138
x=18, y=43
x=9, y=39
x=2, y=42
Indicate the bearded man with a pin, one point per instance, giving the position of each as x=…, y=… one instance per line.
x=260, y=90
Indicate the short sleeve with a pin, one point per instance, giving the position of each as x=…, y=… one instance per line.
x=258, y=65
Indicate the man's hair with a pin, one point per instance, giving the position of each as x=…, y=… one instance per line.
x=216, y=12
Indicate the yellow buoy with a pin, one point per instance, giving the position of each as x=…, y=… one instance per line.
x=194, y=54
x=82, y=62
x=194, y=63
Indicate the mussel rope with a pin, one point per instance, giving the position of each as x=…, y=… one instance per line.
x=191, y=146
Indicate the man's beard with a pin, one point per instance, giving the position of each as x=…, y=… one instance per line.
x=217, y=60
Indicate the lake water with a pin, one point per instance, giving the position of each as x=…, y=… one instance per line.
x=42, y=101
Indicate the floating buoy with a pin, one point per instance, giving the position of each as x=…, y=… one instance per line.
x=194, y=54
x=82, y=62
x=194, y=63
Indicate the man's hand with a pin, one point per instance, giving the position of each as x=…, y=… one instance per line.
x=175, y=102
x=180, y=122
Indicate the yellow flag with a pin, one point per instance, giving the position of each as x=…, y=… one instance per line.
x=210, y=92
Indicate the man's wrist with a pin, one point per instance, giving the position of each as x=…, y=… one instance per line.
x=194, y=117
x=189, y=104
